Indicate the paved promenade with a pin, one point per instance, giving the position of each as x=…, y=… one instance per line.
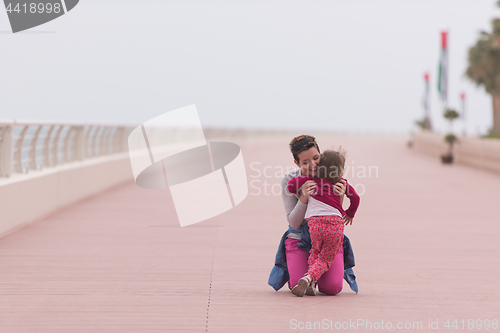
x=425, y=239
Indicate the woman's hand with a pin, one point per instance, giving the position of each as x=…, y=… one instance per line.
x=339, y=187
x=307, y=189
x=347, y=220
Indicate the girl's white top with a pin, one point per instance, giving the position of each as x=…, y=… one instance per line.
x=318, y=208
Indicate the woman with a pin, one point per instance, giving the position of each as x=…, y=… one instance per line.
x=293, y=251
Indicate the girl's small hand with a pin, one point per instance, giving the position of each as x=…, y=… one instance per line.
x=307, y=189
x=340, y=187
x=347, y=219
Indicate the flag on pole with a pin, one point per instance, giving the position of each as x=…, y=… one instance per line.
x=426, y=101
x=462, y=97
x=443, y=68
x=426, y=123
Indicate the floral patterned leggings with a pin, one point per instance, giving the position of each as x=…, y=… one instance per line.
x=327, y=235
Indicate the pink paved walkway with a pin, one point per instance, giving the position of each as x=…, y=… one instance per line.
x=425, y=241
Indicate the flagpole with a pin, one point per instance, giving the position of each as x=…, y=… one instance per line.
x=447, y=69
x=427, y=118
x=443, y=70
x=444, y=41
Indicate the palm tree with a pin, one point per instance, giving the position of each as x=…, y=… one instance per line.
x=484, y=67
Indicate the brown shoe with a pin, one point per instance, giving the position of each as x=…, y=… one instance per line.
x=301, y=286
x=311, y=289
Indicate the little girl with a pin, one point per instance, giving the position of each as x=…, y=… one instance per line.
x=326, y=217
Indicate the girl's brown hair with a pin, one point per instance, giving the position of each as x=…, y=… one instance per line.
x=302, y=143
x=331, y=165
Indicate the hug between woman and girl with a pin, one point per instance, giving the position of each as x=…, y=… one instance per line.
x=313, y=193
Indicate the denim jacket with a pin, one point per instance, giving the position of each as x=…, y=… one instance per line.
x=279, y=274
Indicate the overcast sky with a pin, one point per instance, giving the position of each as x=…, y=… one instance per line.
x=354, y=66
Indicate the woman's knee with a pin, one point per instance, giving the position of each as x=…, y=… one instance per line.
x=331, y=289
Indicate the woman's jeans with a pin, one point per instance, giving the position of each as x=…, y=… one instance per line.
x=296, y=259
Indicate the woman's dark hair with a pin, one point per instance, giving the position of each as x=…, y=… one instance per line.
x=302, y=143
x=331, y=165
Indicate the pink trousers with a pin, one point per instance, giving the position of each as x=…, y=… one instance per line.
x=329, y=283
x=327, y=235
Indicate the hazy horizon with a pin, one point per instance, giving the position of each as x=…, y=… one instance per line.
x=328, y=65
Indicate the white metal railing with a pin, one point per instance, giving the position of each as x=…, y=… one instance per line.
x=33, y=145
